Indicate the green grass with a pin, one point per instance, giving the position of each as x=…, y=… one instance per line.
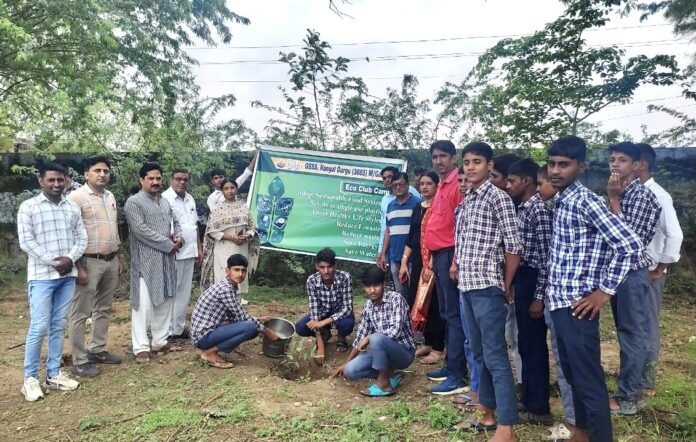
x=259, y=294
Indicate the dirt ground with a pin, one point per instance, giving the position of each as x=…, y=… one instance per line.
x=176, y=397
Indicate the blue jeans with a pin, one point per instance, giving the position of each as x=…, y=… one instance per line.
x=652, y=331
x=485, y=311
x=448, y=299
x=628, y=306
x=531, y=341
x=228, y=337
x=344, y=326
x=49, y=301
x=580, y=355
x=383, y=353
x=467, y=350
x=394, y=267
x=563, y=385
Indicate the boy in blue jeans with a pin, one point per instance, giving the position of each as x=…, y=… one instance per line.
x=636, y=205
x=592, y=251
x=487, y=254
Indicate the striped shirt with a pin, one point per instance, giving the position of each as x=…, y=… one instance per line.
x=485, y=229
x=591, y=248
x=641, y=211
x=218, y=304
x=335, y=301
x=399, y=224
x=383, y=206
x=152, y=226
x=99, y=215
x=46, y=231
x=390, y=318
x=535, y=220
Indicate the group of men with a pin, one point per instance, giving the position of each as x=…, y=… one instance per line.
x=71, y=237
x=535, y=238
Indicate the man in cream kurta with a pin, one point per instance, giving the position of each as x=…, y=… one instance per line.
x=155, y=237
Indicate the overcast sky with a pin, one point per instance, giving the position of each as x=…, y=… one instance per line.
x=276, y=23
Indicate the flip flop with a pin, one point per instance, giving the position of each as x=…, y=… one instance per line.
x=168, y=347
x=219, y=364
x=462, y=399
x=395, y=380
x=341, y=345
x=472, y=425
x=374, y=391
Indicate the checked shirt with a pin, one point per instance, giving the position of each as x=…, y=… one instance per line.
x=485, y=229
x=641, y=211
x=591, y=247
x=336, y=301
x=390, y=318
x=535, y=220
x=217, y=304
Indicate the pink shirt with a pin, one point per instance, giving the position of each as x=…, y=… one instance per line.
x=440, y=231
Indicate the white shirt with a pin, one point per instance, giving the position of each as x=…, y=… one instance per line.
x=666, y=244
x=185, y=212
x=217, y=197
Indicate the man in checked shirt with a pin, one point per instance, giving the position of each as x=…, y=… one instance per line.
x=592, y=251
x=330, y=294
x=487, y=253
x=638, y=207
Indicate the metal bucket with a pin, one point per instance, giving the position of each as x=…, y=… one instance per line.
x=285, y=330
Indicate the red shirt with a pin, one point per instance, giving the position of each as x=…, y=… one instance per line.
x=439, y=233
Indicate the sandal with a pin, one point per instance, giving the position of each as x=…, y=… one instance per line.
x=462, y=399
x=472, y=425
x=142, y=357
x=374, y=391
x=217, y=363
x=341, y=344
x=423, y=351
x=431, y=359
x=166, y=348
x=395, y=380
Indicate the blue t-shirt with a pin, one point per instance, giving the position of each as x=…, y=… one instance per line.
x=399, y=223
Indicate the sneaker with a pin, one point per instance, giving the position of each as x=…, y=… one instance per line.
x=626, y=408
x=32, y=390
x=61, y=382
x=450, y=386
x=439, y=374
x=86, y=370
x=529, y=418
x=103, y=357
x=560, y=431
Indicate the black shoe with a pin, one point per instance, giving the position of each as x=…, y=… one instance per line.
x=529, y=418
x=184, y=335
x=103, y=357
x=85, y=370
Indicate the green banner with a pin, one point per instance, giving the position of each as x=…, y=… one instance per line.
x=303, y=201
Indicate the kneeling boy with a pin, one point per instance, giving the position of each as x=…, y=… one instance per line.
x=384, y=341
x=217, y=304
x=330, y=294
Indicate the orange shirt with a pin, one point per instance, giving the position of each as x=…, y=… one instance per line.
x=439, y=233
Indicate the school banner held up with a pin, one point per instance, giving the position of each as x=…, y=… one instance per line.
x=303, y=201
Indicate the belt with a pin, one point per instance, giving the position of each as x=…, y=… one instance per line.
x=107, y=257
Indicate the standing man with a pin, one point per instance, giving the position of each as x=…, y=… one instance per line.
x=51, y=232
x=155, y=237
x=184, y=208
x=216, y=177
x=97, y=270
x=439, y=239
x=399, y=212
x=664, y=250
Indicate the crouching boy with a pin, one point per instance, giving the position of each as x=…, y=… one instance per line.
x=210, y=331
x=384, y=341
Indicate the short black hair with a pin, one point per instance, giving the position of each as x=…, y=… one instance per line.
x=478, y=148
x=445, y=146
x=399, y=175
x=543, y=171
x=91, y=161
x=460, y=170
x=215, y=172
x=373, y=275
x=569, y=146
x=647, y=154
x=433, y=176
x=53, y=167
x=391, y=169
x=149, y=167
x=502, y=163
x=237, y=260
x=180, y=170
x=524, y=168
x=419, y=171
x=227, y=180
x=326, y=255
x=626, y=148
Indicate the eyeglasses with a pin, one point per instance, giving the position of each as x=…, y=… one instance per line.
x=181, y=180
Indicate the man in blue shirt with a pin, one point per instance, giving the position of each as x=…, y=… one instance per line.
x=387, y=174
x=399, y=214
